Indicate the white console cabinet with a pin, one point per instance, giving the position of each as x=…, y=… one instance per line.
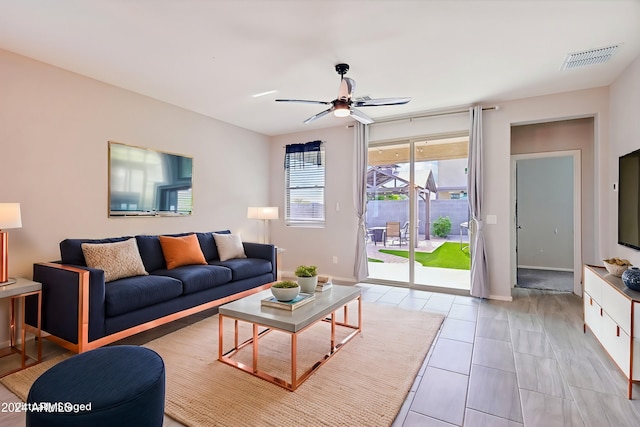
x=609, y=308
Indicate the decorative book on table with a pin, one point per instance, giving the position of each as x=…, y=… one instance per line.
x=324, y=283
x=298, y=301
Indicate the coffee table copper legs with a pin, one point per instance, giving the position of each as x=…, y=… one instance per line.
x=295, y=381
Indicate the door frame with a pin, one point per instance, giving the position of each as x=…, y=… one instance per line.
x=410, y=143
x=577, y=212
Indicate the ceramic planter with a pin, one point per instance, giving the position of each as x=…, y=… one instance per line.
x=308, y=284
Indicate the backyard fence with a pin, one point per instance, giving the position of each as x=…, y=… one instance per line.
x=379, y=212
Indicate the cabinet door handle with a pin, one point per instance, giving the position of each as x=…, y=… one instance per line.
x=590, y=301
x=601, y=312
x=617, y=330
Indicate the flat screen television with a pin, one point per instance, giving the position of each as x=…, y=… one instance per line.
x=146, y=182
x=629, y=200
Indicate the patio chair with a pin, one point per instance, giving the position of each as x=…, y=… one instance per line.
x=404, y=233
x=376, y=234
x=392, y=231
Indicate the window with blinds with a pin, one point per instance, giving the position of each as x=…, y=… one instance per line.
x=304, y=184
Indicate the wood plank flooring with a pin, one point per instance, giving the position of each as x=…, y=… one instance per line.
x=493, y=364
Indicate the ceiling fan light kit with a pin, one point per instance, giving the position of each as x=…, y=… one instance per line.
x=343, y=105
x=341, y=110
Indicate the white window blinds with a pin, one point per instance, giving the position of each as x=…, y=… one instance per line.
x=304, y=184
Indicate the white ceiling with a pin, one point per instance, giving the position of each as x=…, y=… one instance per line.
x=211, y=56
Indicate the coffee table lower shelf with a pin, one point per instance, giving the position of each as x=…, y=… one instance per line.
x=296, y=381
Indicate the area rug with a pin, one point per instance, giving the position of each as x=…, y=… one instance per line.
x=364, y=384
x=20, y=382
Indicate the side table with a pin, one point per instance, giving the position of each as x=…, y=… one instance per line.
x=18, y=292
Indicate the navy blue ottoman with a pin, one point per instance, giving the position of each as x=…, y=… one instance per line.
x=118, y=386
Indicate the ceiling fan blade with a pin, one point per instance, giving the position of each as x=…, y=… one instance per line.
x=347, y=88
x=304, y=100
x=317, y=116
x=361, y=117
x=381, y=101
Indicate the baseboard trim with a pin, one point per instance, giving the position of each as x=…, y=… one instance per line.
x=535, y=267
x=501, y=298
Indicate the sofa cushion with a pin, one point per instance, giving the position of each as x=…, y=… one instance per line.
x=229, y=246
x=151, y=251
x=208, y=244
x=244, y=268
x=132, y=293
x=71, y=249
x=179, y=251
x=118, y=260
x=195, y=278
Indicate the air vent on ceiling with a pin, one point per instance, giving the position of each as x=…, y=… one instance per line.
x=588, y=57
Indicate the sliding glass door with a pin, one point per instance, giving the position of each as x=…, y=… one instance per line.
x=388, y=213
x=420, y=185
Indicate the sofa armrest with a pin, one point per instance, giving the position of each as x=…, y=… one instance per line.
x=264, y=251
x=73, y=303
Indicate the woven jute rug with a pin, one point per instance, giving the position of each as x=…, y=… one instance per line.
x=363, y=384
x=20, y=382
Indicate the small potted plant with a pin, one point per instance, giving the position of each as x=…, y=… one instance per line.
x=307, y=278
x=285, y=291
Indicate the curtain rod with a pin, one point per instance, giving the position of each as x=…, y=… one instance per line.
x=434, y=114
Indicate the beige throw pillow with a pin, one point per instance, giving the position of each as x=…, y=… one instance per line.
x=229, y=246
x=118, y=260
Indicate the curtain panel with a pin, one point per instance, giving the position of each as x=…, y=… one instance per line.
x=361, y=136
x=479, y=274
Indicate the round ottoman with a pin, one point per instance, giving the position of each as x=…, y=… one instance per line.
x=118, y=386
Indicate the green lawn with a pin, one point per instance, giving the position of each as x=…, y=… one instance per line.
x=448, y=255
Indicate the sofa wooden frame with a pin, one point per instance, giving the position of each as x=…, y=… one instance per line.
x=83, y=314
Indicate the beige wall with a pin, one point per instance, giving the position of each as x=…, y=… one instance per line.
x=497, y=127
x=318, y=246
x=625, y=137
x=54, y=128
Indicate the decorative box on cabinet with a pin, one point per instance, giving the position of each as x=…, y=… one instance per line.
x=610, y=310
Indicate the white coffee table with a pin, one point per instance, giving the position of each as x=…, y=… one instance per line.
x=323, y=308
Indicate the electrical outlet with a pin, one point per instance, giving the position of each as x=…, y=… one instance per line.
x=335, y=259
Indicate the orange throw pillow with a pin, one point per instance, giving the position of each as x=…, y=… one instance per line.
x=179, y=251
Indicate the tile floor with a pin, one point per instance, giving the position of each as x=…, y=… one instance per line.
x=493, y=363
x=525, y=362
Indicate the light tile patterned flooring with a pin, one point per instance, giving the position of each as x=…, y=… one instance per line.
x=493, y=364
x=526, y=362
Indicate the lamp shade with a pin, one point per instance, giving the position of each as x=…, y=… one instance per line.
x=267, y=212
x=10, y=215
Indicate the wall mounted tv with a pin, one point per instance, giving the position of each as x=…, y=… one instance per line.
x=629, y=200
x=146, y=182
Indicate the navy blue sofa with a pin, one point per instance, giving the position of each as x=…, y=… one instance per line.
x=82, y=312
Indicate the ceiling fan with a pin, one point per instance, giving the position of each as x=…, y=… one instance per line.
x=343, y=105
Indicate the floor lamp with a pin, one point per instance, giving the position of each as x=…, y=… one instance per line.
x=265, y=214
x=9, y=218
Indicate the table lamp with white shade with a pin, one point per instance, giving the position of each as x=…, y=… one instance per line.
x=9, y=218
x=264, y=213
